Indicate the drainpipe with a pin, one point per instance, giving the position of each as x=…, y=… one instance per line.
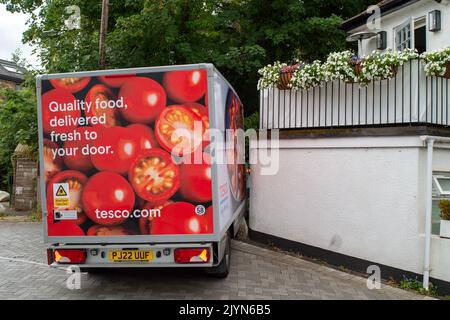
x=429, y=140
x=428, y=213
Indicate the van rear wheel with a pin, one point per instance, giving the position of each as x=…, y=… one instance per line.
x=223, y=268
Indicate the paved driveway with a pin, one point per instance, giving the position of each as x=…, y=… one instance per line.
x=257, y=273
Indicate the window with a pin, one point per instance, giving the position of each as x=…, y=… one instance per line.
x=442, y=184
x=441, y=191
x=420, y=35
x=402, y=35
x=435, y=217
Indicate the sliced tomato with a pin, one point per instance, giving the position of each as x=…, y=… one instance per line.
x=52, y=164
x=99, y=230
x=144, y=222
x=145, y=135
x=76, y=181
x=154, y=176
x=181, y=218
x=179, y=130
x=185, y=85
x=202, y=112
x=96, y=95
x=72, y=84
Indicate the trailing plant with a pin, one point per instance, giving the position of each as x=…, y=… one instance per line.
x=270, y=75
x=341, y=66
x=345, y=66
x=384, y=65
x=437, y=62
x=308, y=75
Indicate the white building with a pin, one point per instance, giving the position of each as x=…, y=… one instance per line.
x=403, y=24
x=354, y=181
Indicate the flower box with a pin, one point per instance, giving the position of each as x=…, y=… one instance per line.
x=447, y=71
x=285, y=79
x=445, y=229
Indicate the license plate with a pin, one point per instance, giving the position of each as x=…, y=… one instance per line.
x=131, y=255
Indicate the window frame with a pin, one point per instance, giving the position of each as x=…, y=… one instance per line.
x=408, y=23
x=438, y=185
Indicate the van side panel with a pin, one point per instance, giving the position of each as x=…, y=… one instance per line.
x=112, y=169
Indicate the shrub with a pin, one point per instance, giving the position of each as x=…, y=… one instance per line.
x=444, y=205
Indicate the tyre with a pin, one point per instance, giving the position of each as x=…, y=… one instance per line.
x=223, y=268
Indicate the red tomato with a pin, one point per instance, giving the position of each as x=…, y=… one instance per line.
x=185, y=86
x=77, y=160
x=115, y=81
x=64, y=228
x=180, y=218
x=98, y=230
x=154, y=176
x=196, y=185
x=202, y=112
x=124, y=149
x=179, y=130
x=144, y=98
x=52, y=164
x=144, y=222
x=145, y=136
x=60, y=97
x=107, y=191
x=72, y=84
x=76, y=181
x=101, y=93
x=236, y=170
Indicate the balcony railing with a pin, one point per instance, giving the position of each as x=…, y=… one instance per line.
x=408, y=98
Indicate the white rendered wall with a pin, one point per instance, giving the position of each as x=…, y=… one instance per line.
x=435, y=40
x=362, y=197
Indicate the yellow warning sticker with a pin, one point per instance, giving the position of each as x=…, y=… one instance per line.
x=61, y=198
x=61, y=192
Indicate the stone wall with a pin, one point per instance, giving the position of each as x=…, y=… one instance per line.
x=25, y=184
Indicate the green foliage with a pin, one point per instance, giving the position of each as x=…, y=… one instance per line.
x=18, y=124
x=252, y=121
x=444, y=205
x=416, y=285
x=238, y=36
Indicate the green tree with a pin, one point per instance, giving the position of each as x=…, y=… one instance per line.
x=18, y=124
x=238, y=36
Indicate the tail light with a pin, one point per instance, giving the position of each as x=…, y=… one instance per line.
x=49, y=256
x=192, y=255
x=69, y=256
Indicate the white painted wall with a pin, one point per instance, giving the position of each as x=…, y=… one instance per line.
x=363, y=197
x=435, y=40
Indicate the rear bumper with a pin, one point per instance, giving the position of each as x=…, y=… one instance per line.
x=97, y=256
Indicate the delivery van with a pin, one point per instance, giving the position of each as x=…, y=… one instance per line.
x=141, y=167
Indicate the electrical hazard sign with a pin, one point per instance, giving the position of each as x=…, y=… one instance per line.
x=61, y=198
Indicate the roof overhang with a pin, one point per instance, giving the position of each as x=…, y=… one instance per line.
x=386, y=7
x=17, y=79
